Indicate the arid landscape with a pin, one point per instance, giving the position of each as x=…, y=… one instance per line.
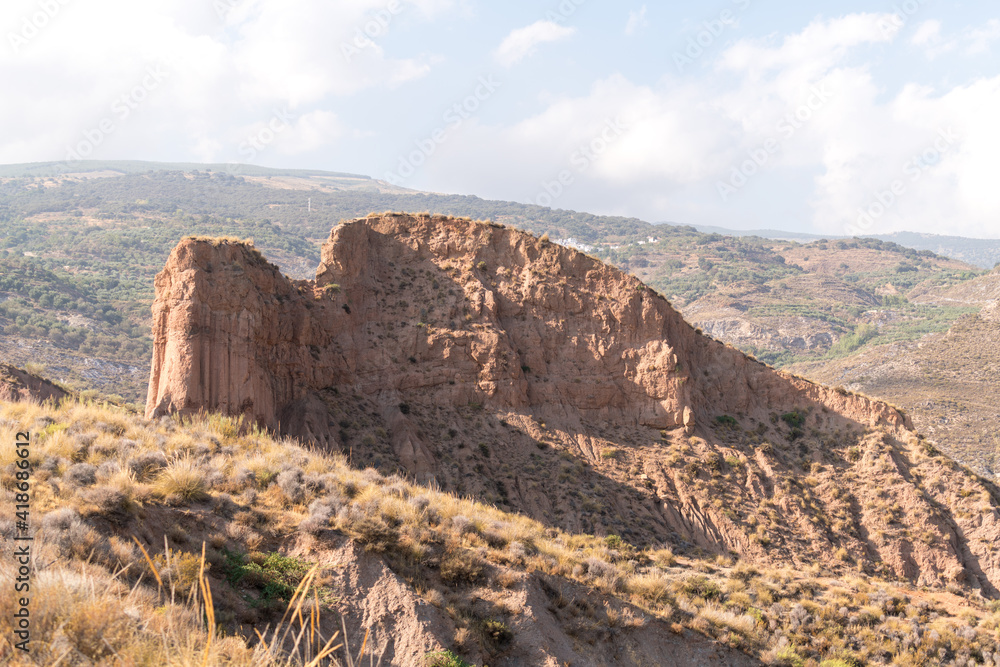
x=462, y=443
x=453, y=333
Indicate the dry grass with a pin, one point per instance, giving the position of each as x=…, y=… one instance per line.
x=92, y=601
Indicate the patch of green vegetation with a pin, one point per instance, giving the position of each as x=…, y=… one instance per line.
x=274, y=577
x=727, y=421
x=497, y=635
x=446, y=659
x=794, y=419
x=854, y=341
x=701, y=587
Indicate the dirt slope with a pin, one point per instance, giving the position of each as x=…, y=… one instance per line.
x=19, y=385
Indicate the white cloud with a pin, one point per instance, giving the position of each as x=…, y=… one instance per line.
x=970, y=41
x=928, y=32
x=521, y=43
x=316, y=128
x=636, y=21
x=840, y=137
x=980, y=40
x=819, y=46
x=230, y=64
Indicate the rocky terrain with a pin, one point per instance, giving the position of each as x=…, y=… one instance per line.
x=498, y=364
x=79, y=250
x=202, y=541
x=946, y=381
x=464, y=444
x=20, y=385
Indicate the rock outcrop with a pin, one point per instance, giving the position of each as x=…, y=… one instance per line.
x=508, y=321
x=20, y=385
x=495, y=363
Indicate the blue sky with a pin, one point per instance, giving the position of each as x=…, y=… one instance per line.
x=869, y=117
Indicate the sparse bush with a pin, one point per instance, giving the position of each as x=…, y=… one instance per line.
x=663, y=558
x=446, y=659
x=614, y=542
x=794, y=419
x=81, y=474
x=146, y=465
x=371, y=531
x=291, y=484
x=654, y=588
x=461, y=565
x=72, y=537
x=181, y=481
x=496, y=634
x=700, y=586
x=321, y=511
x=109, y=502
x=179, y=570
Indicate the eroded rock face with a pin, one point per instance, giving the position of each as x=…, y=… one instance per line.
x=509, y=322
x=494, y=364
x=19, y=385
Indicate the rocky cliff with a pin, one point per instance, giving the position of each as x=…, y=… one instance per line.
x=491, y=362
x=20, y=385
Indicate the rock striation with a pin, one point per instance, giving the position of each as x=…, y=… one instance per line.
x=491, y=362
x=511, y=322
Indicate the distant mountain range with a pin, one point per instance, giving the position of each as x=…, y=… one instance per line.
x=984, y=253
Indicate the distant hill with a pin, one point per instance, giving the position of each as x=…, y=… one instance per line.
x=81, y=242
x=40, y=169
x=775, y=234
x=984, y=253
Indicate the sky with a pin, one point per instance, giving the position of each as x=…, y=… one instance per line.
x=841, y=118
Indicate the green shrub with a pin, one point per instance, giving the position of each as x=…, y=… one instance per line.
x=794, y=419
x=789, y=657
x=496, y=634
x=701, y=587
x=274, y=577
x=445, y=659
